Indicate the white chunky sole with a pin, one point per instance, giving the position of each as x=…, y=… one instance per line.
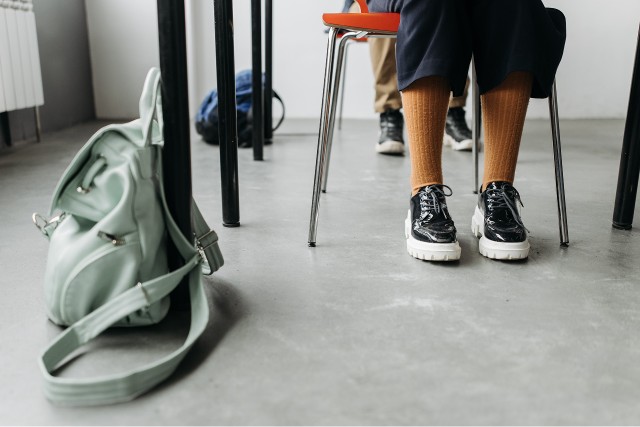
x=496, y=250
x=390, y=147
x=465, y=145
x=430, y=251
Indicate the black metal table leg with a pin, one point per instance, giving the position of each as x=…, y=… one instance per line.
x=630, y=158
x=177, y=148
x=227, y=124
x=268, y=71
x=6, y=130
x=36, y=116
x=256, y=90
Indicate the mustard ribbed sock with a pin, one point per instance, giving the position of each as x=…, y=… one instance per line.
x=425, y=105
x=503, y=110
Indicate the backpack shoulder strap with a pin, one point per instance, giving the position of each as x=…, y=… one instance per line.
x=206, y=242
x=128, y=385
x=276, y=96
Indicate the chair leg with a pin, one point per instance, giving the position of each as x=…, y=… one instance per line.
x=476, y=114
x=557, y=155
x=322, y=135
x=343, y=85
x=334, y=97
x=36, y=114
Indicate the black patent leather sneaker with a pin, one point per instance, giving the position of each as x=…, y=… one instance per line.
x=457, y=134
x=497, y=222
x=429, y=229
x=391, y=139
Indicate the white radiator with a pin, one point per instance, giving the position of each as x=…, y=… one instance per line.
x=20, y=75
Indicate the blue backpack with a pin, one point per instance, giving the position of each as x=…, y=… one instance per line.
x=207, y=117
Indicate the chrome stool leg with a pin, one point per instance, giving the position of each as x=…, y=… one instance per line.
x=557, y=156
x=343, y=85
x=322, y=134
x=476, y=113
x=36, y=114
x=337, y=79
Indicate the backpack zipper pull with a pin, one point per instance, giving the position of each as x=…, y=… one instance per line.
x=112, y=238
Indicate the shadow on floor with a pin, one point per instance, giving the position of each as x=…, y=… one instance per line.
x=225, y=310
x=119, y=349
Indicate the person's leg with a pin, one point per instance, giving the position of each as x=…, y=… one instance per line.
x=517, y=48
x=382, y=52
x=426, y=101
x=457, y=135
x=517, y=36
x=429, y=229
x=383, y=64
x=460, y=101
x=504, y=109
x=496, y=219
x=517, y=45
x=432, y=58
x=388, y=101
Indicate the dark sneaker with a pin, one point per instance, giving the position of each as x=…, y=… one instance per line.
x=429, y=229
x=497, y=222
x=457, y=134
x=391, y=133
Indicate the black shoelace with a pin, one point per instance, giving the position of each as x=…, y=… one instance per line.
x=499, y=199
x=430, y=200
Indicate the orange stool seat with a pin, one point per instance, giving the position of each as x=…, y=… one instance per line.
x=380, y=23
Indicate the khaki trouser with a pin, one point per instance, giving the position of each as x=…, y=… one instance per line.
x=383, y=63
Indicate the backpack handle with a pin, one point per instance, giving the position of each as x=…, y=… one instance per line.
x=151, y=105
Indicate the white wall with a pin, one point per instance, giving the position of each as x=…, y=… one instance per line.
x=594, y=77
x=593, y=80
x=123, y=40
x=200, y=51
x=124, y=45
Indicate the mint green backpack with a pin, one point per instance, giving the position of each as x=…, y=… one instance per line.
x=107, y=263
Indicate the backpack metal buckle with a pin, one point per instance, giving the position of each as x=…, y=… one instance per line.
x=46, y=226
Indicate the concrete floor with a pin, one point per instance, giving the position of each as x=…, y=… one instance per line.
x=356, y=331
